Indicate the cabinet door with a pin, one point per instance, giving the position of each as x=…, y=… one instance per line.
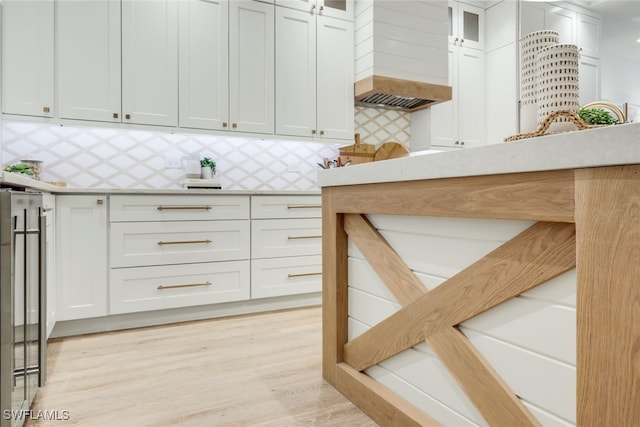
x=445, y=114
x=335, y=76
x=27, y=36
x=589, y=73
x=470, y=26
x=251, y=66
x=341, y=9
x=88, y=60
x=204, y=95
x=49, y=206
x=150, y=62
x=561, y=20
x=81, y=256
x=588, y=35
x=295, y=72
x=471, y=95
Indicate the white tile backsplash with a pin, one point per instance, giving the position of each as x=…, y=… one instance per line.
x=124, y=158
x=121, y=158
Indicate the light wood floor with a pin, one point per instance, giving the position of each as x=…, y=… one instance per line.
x=259, y=370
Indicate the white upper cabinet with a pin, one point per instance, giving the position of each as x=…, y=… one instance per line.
x=334, y=78
x=88, y=60
x=27, y=58
x=150, y=62
x=227, y=65
x=573, y=26
x=204, y=95
x=295, y=72
x=341, y=9
x=466, y=25
x=314, y=75
x=460, y=123
x=251, y=67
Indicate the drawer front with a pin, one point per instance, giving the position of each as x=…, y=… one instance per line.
x=156, y=288
x=178, y=208
x=135, y=244
x=286, y=276
x=278, y=238
x=268, y=207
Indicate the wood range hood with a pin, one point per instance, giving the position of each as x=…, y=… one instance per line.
x=400, y=94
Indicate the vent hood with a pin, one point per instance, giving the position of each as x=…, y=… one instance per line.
x=407, y=95
x=401, y=54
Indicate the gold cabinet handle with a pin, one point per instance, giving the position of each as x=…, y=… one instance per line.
x=321, y=132
x=127, y=116
x=185, y=285
x=45, y=109
x=99, y=201
x=302, y=237
x=176, y=208
x=115, y=115
x=234, y=125
x=303, y=206
x=184, y=242
x=224, y=124
x=319, y=273
x=313, y=131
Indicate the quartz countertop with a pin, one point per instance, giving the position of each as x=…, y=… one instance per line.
x=19, y=181
x=606, y=146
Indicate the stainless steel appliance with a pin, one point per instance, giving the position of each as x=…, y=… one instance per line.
x=22, y=304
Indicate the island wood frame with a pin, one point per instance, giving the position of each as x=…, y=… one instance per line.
x=586, y=218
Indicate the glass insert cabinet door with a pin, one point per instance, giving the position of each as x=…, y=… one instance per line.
x=466, y=25
x=341, y=9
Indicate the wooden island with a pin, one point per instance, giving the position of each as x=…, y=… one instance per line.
x=497, y=285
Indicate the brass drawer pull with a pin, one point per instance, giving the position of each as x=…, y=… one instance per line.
x=302, y=237
x=184, y=242
x=186, y=285
x=303, y=206
x=304, y=274
x=180, y=208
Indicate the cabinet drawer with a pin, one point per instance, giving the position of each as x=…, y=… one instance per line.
x=286, y=207
x=178, y=207
x=156, y=288
x=135, y=244
x=277, y=238
x=286, y=276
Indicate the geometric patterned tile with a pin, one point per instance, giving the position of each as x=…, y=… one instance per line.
x=120, y=158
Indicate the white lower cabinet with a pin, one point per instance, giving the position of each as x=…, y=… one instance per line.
x=273, y=277
x=191, y=250
x=81, y=256
x=286, y=245
x=49, y=206
x=191, y=255
x=172, y=286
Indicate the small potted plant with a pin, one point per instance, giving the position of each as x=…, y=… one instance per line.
x=207, y=168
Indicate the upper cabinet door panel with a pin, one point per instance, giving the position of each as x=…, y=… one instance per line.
x=335, y=62
x=341, y=9
x=88, y=60
x=251, y=66
x=295, y=73
x=27, y=76
x=150, y=62
x=204, y=95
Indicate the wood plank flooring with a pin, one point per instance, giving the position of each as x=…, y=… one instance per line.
x=258, y=370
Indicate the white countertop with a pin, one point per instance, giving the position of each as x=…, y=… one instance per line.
x=607, y=146
x=20, y=181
